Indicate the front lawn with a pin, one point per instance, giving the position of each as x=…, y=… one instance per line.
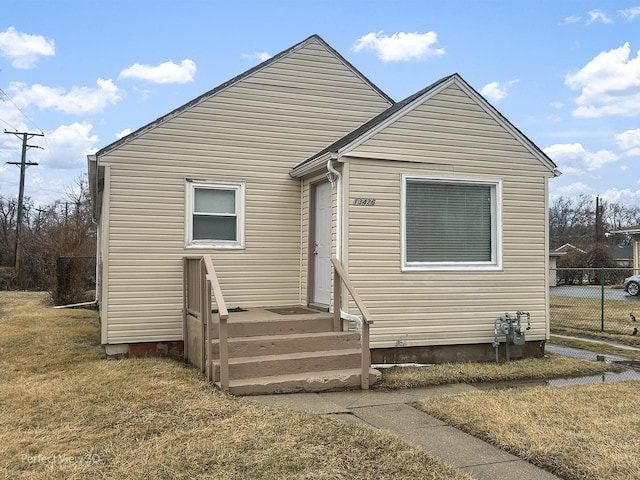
x=576, y=432
x=66, y=414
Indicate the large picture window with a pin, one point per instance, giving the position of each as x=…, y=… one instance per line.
x=215, y=215
x=450, y=224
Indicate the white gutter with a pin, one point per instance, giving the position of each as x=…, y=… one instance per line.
x=335, y=177
x=312, y=166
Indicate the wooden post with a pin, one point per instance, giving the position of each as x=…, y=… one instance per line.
x=208, y=316
x=337, y=301
x=224, y=355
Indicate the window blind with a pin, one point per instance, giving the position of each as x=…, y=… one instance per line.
x=448, y=222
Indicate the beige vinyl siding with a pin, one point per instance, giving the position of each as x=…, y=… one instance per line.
x=448, y=136
x=254, y=131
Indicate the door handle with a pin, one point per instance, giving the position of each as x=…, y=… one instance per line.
x=315, y=250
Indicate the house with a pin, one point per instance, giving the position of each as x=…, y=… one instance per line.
x=622, y=255
x=571, y=265
x=435, y=207
x=553, y=267
x=634, y=233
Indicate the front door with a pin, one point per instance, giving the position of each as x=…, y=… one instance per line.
x=321, y=246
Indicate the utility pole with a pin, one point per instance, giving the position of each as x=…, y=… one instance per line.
x=23, y=164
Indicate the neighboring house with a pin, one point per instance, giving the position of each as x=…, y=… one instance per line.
x=622, y=255
x=553, y=267
x=572, y=265
x=567, y=248
x=634, y=233
x=436, y=206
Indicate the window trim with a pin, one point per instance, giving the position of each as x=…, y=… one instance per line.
x=496, y=226
x=239, y=189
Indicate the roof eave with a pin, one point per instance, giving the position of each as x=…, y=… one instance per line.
x=627, y=231
x=315, y=165
x=512, y=129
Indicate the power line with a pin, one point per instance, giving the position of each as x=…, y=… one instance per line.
x=3, y=93
x=23, y=164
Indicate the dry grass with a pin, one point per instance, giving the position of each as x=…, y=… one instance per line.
x=576, y=432
x=551, y=366
x=602, y=348
x=68, y=414
x=582, y=316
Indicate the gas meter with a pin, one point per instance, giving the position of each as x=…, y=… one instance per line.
x=513, y=330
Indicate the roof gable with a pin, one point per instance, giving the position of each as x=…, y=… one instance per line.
x=568, y=247
x=402, y=108
x=312, y=39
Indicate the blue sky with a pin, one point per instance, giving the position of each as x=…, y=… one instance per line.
x=566, y=73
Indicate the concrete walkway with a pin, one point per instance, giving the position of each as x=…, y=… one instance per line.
x=393, y=411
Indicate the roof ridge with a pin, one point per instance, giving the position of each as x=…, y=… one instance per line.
x=234, y=80
x=379, y=119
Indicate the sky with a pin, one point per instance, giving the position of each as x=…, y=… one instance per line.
x=85, y=73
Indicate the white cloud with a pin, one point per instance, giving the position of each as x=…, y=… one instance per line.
x=24, y=49
x=630, y=13
x=629, y=141
x=496, y=91
x=574, y=159
x=67, y=147
x=79, y=100
x=400, y=47
x=10, y=117
x=573, y=190
x=572, y=19
x=123, y=133
x=626, y=196
x=598, y=16
x=609, y=84
x=259, y=56
x=167, y=72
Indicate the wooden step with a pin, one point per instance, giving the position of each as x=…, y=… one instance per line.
x=312, y=323
x=291, y=363
x=291, y=343
x=341, y=379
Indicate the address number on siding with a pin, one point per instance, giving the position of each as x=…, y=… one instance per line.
x=364, y=201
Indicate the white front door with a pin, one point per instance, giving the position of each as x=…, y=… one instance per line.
x=322, y=245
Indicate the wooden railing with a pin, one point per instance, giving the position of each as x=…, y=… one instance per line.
x=200, y=280
x=340, y=278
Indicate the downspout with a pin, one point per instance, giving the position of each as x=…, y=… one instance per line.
x=335, y=177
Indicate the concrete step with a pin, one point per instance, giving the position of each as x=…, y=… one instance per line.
x=312, y=323
x=341, y=379
x=291, y=363
x=289, y=343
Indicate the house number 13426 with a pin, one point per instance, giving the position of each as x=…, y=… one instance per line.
x=364, y=201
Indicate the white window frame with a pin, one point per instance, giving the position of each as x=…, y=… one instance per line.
x=239, y=189
x=496, y=226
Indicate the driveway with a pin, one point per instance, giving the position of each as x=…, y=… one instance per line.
x=581, y=291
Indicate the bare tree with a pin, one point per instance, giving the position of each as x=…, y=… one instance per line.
x=62, y=229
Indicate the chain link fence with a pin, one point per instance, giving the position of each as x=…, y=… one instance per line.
x=591, y=302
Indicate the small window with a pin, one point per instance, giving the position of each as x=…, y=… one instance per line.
x=450, y=224
x=215, y=215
